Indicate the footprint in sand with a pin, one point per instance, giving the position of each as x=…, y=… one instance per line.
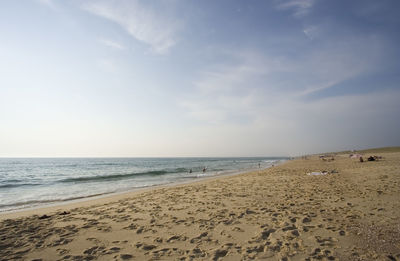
x=59, y=242
x=197, y=253
x=238, y=229
x=329, y=241
x=126, y=256
x=113, y=250
x=199, y=237
x=219, y=253
x=266, y=233
x=320, y=254
x=92, y=239
x=93, y=250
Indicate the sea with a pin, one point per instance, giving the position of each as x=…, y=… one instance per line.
x=36, y=182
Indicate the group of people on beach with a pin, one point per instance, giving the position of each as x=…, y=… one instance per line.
x=370, y=158
x=204, y=170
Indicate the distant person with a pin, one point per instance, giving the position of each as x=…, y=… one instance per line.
x=361, y=159
x=259, y=165
x=190, y=171
x=204, y=170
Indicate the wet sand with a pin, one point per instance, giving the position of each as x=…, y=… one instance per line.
x=281, y=213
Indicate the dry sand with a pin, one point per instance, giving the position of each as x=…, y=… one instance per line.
x=275, y=214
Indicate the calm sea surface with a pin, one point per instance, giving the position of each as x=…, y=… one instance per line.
x=31, y=182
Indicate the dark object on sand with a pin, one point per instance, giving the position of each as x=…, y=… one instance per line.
x=44, y=217
x=370, y=158
x=361, y=159
x=64, y=213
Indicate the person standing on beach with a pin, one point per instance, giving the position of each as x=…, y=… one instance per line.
x=204, y=170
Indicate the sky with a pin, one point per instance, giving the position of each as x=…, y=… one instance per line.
x=185, y=78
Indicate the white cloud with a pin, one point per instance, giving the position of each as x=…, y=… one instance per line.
x=299, y=7
x=145, y=24
x=258, y=102
x=112, y=44
x=299, y=127
x=236, y=92
x=225, y=92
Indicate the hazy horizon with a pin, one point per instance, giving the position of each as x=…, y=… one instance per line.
x=279, y=156
x=172, y=157
x=174, y=78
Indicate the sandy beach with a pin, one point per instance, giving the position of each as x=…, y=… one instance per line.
x=280, y=213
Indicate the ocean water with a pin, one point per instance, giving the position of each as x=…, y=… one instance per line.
x=32, y=182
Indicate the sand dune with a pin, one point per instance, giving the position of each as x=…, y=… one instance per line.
x=279, y=213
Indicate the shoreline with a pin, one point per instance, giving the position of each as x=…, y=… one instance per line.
x=115, y=189
x=107, y=197
x=278, y=213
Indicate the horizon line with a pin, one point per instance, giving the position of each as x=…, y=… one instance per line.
x=127, y=157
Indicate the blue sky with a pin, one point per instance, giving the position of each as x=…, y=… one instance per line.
x=197, y=78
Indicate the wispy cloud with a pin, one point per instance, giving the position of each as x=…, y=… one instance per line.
x=226, y=92
x=236, y=92
x=144, y=23
x=229, y=96
x=299, y=7
x=112, y=44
